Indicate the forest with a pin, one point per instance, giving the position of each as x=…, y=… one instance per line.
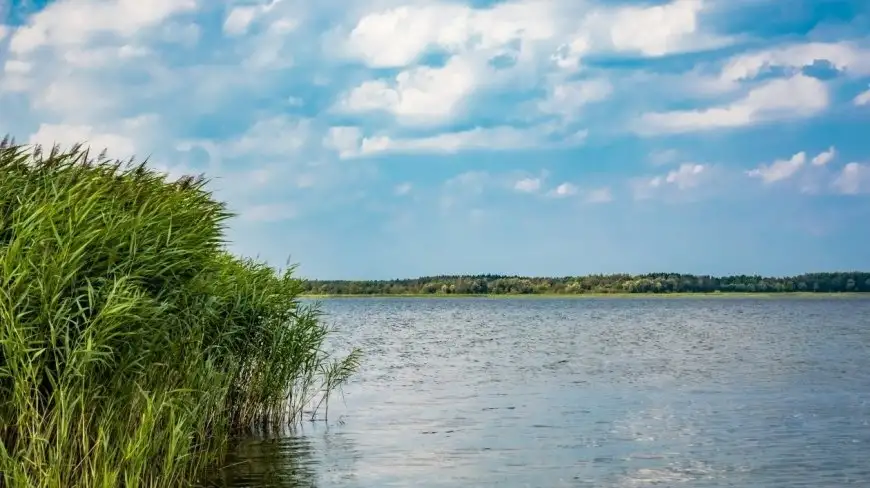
x=652, y=283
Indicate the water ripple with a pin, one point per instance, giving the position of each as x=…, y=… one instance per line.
x=612, y=393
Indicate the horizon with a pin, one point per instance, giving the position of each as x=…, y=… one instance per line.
x=388, y=138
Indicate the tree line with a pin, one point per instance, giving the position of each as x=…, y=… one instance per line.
x=653, y=283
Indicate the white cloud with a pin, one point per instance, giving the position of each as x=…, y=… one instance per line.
x=569, y=55
x=599, y=195
x=75, y=22
x=649, y=30
x=797, y=96
x=370, y=95
x=564, y=190
x=117, y=144
x=422, y=95
x=862, y=98
x=656, y=30
x=73, y=98
x=374, y=38
x=3, y=31
x=240, y=18
x=685, y=177
x=853, y=179
x=345, y=140
x=532, y=32
x=779, y=170
x=569, y=98
x=842, y=56
x=825, y=157
x=449, y=26
x=528, y=185
x=277, y=136
x=17, y=67
x=403, y=189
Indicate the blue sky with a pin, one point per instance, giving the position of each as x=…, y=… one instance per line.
x=397, y=138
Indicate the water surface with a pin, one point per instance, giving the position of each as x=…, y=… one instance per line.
x=693, y=392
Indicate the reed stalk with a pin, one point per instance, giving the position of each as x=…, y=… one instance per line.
x=133, y=346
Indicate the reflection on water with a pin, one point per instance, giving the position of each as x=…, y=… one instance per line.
x=280, y=462
x=296, y=458
x=604, y=393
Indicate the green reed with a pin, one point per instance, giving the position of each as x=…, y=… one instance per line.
x=133, y=347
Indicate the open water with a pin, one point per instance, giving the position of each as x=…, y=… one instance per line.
x=693, y=392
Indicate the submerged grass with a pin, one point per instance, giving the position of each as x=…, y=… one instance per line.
x=132, y=346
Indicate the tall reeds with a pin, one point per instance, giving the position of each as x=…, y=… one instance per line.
x=132, y=345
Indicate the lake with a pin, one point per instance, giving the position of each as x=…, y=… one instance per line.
x=694, y=392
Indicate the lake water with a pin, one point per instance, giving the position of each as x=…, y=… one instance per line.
x=587, y=393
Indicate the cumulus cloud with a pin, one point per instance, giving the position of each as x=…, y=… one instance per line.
x=344, y=140
x=567, y=99
x=81, y=70
x=563, y=190
x=809, y=175
x=240, y=18
x=686, y=176
x=651, y=30
x=656, y=30
x=793, y=97
x=65, y=136
x=853, y=179
x=448, y=26
x=779, y=170
x=122, y=140
x=422, y=95
x=825, y=157
x=566, y=189
x=533, y=34
x=862, y=98
x=71, y=23
x=528, y=185
x=277, y=136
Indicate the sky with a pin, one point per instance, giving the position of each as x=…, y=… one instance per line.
x=371, y=139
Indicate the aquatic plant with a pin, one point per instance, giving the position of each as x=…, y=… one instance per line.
x=133, y=346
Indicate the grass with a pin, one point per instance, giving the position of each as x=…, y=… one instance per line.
x=133, y=347
x=581, y=296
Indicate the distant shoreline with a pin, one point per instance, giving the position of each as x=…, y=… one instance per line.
x=580, y=296
x=614, y=285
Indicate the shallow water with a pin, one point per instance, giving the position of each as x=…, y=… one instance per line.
x=591, y=392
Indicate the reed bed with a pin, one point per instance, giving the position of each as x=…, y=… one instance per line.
x=133, y=346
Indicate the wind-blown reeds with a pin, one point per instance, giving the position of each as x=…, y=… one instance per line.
x=132, y=345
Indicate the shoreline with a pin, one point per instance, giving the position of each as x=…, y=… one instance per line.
x=581, y=296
